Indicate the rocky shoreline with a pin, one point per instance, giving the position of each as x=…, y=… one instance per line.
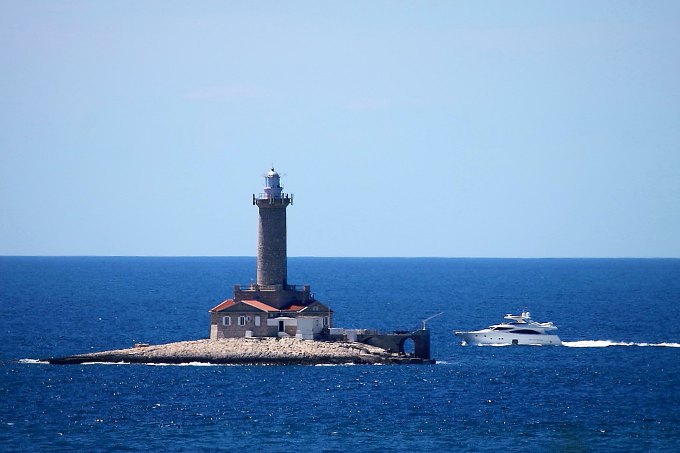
x=246, y=351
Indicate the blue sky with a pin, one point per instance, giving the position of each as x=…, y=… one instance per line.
x=455, y=129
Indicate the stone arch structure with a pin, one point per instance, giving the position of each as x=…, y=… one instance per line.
x=408, y=346
x=394, y=342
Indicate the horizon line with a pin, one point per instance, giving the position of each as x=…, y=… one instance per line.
x=361, y=257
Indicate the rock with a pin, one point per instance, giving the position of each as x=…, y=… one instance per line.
x=261, y=351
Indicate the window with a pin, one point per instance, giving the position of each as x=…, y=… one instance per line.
x=226, y=320
x=325, y=321
x=241, y=320
x=257, y=321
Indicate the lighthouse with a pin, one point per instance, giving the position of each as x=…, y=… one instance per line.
x=272, y=286
x=271, y=307
x=271, y=233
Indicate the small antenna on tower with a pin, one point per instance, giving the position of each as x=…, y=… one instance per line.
x=424, y=321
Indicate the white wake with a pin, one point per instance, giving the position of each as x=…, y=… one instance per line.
x=607, y=343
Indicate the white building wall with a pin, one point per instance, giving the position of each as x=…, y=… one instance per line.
x=309, y=327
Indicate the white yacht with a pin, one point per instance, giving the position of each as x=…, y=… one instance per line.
x=519, y=330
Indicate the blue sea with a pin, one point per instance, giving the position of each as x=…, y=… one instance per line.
x=614, y=386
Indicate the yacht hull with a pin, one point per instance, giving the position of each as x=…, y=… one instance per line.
x=489, y=338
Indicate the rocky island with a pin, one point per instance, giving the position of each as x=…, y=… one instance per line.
x=246, y=351
x=271, y=322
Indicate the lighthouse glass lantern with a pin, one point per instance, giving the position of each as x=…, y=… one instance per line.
x=272, y=187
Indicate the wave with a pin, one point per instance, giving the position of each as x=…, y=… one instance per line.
x=34, y=361
x=607, y=343
x=105, y=363
x=494, y=345
x=182, y=364
x=336, y=364
x=154, y=364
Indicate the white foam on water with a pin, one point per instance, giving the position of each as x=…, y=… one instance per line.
x=182, y=364
x=336, y=364
x=34, y=361
x=502, y=345
x=592, y=344
x=608, y=343
x=105, y=363
x=660, y=345
x=198, y=364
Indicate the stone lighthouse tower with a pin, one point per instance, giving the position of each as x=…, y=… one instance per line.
x=272, y=287
x=271, y=234
x=271, y=307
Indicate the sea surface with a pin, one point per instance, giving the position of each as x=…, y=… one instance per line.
x=614, y=386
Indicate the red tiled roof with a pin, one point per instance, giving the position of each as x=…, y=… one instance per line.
x=227, y=303
x=253, y=303
x=257, y=304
